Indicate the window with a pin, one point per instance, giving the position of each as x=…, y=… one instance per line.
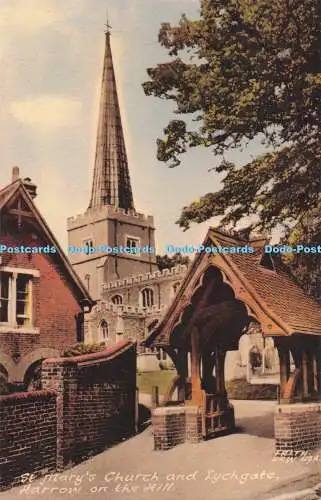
x=4, y=297
x=147, y=296
x=132, y=242
x=103, y=329
x=23, y=315
x=117, y=299
x=15, y=299
x=176, y=287
x=87, y=279
x=88, y=245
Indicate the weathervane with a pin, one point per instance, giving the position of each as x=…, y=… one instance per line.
x=107, y=25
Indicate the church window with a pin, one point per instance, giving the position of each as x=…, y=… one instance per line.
x=88, y=245
x=176, y=287
x=132, y=242
x=103, y=329
x=15, y=299
x=147, y=296
x=87, y=279
x=117, y=299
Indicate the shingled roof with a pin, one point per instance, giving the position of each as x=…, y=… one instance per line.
x=263, y=283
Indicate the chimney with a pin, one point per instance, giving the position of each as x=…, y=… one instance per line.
x=27, y=183
x=30, y=187
x=15, y=174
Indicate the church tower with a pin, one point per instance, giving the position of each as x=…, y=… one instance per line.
x=111, y=221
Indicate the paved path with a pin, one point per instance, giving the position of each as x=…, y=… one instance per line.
x=237, y=466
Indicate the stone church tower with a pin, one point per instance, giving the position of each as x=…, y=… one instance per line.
x=111, y=219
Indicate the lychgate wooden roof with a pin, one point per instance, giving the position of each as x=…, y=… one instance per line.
x=271, y=295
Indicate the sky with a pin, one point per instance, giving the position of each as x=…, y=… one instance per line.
x=51, y=55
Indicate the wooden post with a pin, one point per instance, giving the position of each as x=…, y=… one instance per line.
x=221, y=357
x=182, y=370
x=305, y=374
x=137, y=411
x=218, y=370
x=195, y=368
x=284, y=368
x=315, y=372
x=155, y=397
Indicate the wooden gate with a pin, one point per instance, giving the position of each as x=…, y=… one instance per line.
x=217, y=415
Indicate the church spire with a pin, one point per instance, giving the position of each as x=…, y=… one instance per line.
x=111, y=181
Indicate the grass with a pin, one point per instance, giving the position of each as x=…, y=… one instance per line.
x=236, y=389
x=147, y=380
x=241, y=389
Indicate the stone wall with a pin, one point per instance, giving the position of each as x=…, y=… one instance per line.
x=136, y=320
x=173, y=425
x=96, y=400
x=28, y=435
x=110, y=226
x=297, y=427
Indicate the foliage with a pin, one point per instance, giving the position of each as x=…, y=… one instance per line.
x=307, y=267
x=248, y=70
x=7, y=388
x=81, y=348
x=167, y=262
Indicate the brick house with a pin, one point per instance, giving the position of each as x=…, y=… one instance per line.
x=42, y=299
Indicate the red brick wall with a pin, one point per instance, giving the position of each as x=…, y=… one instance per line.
x=175, y=425
x=297, y=427
x=54, y=302
x=28, y=435
x=96, y=401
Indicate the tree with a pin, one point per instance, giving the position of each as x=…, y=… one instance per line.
x=248, y=70
x=167, y=262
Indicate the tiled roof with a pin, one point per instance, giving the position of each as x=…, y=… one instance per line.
x=273, y=288
x=279, y=290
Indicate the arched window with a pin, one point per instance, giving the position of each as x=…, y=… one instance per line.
x=87, y=280
x=117, y=299
x=103, y=329
x=147, y=296
x=176, y=287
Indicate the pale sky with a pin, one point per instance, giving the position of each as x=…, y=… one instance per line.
x=51, y=55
